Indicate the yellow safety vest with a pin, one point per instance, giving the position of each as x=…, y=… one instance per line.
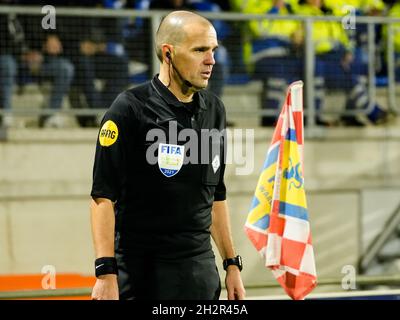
x=267, y=28
x=394, y=12
x=338, y=6
x=326, y=34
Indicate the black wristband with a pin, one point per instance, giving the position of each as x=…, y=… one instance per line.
x=106, y=265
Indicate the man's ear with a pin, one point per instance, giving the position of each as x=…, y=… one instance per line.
x=166, y=50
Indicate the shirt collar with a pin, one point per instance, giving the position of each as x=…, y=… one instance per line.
x=169, y=97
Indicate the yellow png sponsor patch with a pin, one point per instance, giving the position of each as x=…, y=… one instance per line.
x=108, y=133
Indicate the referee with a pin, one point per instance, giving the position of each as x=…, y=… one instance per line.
x=152, y=217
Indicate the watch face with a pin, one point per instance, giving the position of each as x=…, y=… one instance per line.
x=239, y=261
x=240, y=264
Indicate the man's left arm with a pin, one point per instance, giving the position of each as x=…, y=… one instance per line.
x=221, y=233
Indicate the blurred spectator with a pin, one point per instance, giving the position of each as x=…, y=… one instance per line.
x=277, y=57
x=361, y=7
x=336, y=67
x=98, y=52
x=394, y=12
x=272, y=52
x=39, y=53
x=138, y=39
x=359, y=35
x=233, y=40
x=11, y=44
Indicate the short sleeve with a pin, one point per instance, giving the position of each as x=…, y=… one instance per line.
x=110, y=162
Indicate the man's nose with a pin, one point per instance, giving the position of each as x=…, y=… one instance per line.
x=209, y=59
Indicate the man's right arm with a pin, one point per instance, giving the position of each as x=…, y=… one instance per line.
x=103, y=229
x=109, y=177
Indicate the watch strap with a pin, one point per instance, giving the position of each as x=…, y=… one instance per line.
x=236, y=261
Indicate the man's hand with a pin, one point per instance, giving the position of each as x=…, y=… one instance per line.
x=106, y=288
x=234, y=284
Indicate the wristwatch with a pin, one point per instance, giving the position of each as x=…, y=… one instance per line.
x=236, y=261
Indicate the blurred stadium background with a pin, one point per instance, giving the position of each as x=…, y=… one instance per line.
x=56, y=83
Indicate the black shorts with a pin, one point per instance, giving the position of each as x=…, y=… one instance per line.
x=143, y=278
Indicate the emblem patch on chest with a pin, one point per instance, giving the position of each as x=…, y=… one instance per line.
x=216, y=163
x=170, y=158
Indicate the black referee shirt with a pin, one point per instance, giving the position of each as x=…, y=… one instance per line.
x=156, y=215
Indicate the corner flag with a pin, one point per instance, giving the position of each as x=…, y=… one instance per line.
x=277, y=223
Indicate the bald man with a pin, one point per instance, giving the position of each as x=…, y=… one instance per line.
x=158, y=195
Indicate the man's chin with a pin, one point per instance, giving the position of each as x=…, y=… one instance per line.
x=200, y=85
x=205, y=83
